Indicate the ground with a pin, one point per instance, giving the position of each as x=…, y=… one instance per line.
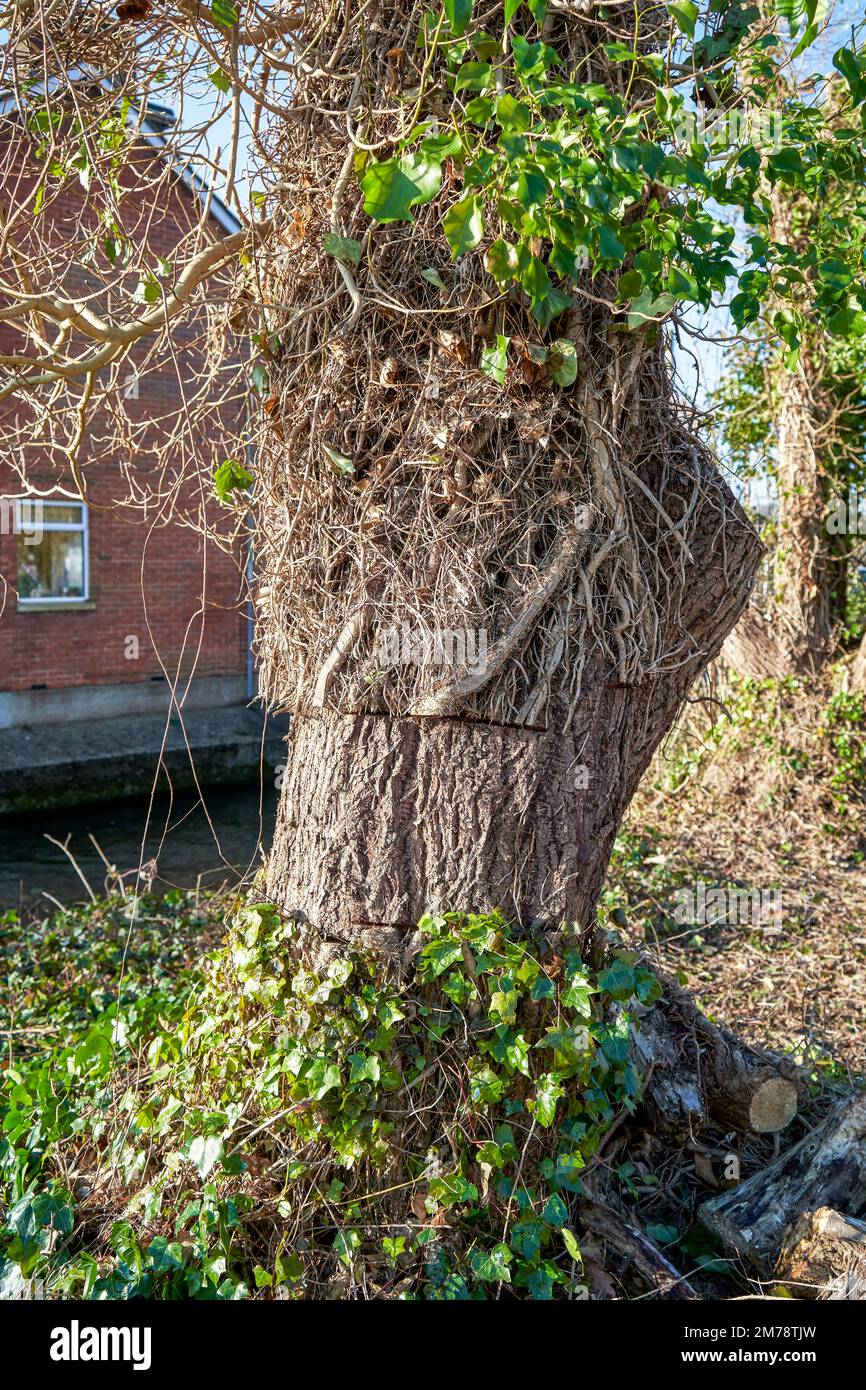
x=258, y=1121
x=771, y=799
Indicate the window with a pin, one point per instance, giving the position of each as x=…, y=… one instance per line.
x=52, y=552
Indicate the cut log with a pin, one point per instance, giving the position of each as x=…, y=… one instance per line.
x=633, y=1249
x=695, y=1072
x=826, y=1169
x=757, y=1100
x=824, y=1256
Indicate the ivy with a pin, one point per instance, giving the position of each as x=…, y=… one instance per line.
x=554, y=176
x=293, y=1081
x=230, y=477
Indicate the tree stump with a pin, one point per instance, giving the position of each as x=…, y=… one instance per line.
x=824, y=1256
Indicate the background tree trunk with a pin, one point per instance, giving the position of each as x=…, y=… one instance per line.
x=797, y=637
x=802, y=616
x=809, y=577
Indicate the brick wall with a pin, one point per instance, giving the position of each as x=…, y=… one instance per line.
x=153, y=579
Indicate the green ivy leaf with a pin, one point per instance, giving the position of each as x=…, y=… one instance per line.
x=663, y=1235
x=395, y=186
x=231, y=476
x=745, y=308
x=206, y=1151
x=464, y=225
x=458, y=14
x=225, y=13
x=620, y=53
x=532, y=188
x=148, y=290
x=513, y=114
x=571, y=1245
x=432, y=276
x=548, y=1092
x=346, y=1242
x=530, y=59
x=220, y=80
x=341, y=463
x=847, y=323
x=491, y=1266
x=562, y=362
x=260, y=378
x=502, y=261
x=494, y=362
x=555, y=1212
x=439, y=954
x=472, y=77
x=629, y=285
x=647, y=308
x=479, y=110
x=342, y=248
x=363, y=1068
x=610, y=245
x=323, y=1077
x=852, y=67
x=685, y=15
x=617, y=980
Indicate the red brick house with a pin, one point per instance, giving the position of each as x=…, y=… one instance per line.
x=103, y=603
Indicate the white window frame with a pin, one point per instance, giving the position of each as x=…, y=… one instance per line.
x=82, y=526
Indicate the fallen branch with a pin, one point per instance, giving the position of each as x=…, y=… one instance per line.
x=635, y=1249
x=696, y=1072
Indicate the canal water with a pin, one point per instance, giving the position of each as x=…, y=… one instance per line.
x=183, y=845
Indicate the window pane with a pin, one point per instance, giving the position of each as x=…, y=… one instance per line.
x=61, y=512
x=54, y=568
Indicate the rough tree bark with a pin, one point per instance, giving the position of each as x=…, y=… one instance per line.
x=797, y=639
x=382, y=819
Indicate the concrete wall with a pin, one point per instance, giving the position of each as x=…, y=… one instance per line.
x=29, y=707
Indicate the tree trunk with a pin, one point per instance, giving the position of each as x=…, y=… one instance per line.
x=804, y=562
x=385, y=818
x=579, y=534
x=797, y=637
x=858, y=668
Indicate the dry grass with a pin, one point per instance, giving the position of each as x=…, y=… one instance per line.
x=761, y=811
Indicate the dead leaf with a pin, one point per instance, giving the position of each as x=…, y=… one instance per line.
x=389, y=372
x=705, y=1171
x=296, y=231
x=454, y=346
x=599, y=1280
